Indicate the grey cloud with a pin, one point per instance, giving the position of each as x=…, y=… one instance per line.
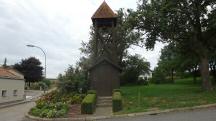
x=58, y=28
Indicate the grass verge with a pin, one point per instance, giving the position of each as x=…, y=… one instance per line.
x=183, y=93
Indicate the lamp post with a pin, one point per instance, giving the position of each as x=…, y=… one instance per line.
x=44, y=56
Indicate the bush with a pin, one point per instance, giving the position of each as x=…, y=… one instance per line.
x=142, y=81
x=116, y=101
x=67, y=86
x=61, y=113
x=51, y=113
x=74, y=80
x=88, y=104
x=158, y=76
x=40, y=104
x=91, y=92
x=49, y=110
x=35, y=111
x=76, y=99
x=47, y=82
x=55, y=104
x=129, y=76
x=44, y=113
x=34, y=86
x=133, y=66
x=56, y=96
x=47, y=98
x=60, y=106
x=116, y=90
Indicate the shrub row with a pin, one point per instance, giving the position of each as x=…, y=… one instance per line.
x=88, y=104
x=116, y=101
x=91, y=92
x=116, y=90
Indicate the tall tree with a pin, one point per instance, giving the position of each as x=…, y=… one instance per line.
x=74, y=80
x=190, y=24
x=173, y=60
x=31, y=69
x=5, y=63
x=168, y=60
x=133, y=66
x=212, y=65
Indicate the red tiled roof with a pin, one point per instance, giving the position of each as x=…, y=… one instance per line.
x=104, y=11
x=10, y=73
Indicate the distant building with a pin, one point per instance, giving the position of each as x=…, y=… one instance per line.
x=52, y=79
x=146, y=76
x=11, y=85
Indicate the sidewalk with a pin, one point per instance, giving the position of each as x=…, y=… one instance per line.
x=5, y=105
x=31, y=96
x=103, y=111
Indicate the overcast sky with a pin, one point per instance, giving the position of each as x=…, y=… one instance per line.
x=57, y=26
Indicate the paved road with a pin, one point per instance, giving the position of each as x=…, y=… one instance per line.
x=15, y=113
x=198, y=115
x=33, y=94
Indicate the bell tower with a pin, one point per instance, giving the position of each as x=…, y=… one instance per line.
x=104, y=22
x=105, y=72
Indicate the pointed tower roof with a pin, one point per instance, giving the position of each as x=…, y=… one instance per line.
x=104, y=11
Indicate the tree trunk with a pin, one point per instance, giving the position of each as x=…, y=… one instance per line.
x=29, y=84
x=213, y=77
x=172, y=75
x=206, y=83
x=214, y=74
x=194, y=77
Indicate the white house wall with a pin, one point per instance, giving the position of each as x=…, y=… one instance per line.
x=10, y=85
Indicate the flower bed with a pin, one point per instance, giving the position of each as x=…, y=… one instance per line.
x=55, y=104
x=50, y=110
x=56, y=96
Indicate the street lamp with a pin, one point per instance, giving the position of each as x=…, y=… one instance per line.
x=44, y=56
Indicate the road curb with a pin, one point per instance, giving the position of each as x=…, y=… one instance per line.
x=167, y=111
x=90, y=118
x=14, y=103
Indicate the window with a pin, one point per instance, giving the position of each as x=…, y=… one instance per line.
x=15, y=92
x=4, y=92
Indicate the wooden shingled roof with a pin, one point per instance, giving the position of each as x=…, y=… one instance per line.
x=104, y=11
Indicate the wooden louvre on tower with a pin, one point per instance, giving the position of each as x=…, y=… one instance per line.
x=104, y=16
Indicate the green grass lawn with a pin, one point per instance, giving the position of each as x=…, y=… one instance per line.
x=165, y=96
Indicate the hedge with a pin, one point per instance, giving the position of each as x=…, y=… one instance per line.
x=91, y=92
x=116, y=101
x=88, y=104
x=116, y=90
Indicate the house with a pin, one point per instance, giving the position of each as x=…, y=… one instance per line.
x=11, y=85
x=104, y=77
x=146, y=76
